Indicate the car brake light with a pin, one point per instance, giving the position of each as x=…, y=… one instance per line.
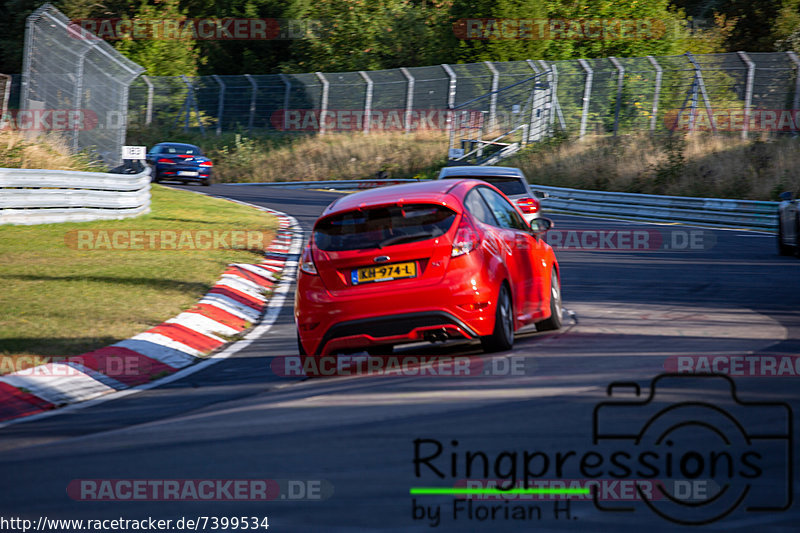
x=528, y=205
x=466, y=240
x=167, y=161
x=307, y=262
x=206, y=164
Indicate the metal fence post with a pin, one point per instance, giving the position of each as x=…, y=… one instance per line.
x=656, y=92
x=367, y=100
x=698, y=72
x=253, y=93
x=620, y=82
x=323, y=106
x=30, y=37
x=493, y=98
x=79, y=90
x=409, y=97
x=796, y=97
x=451, y=99
x=748, y=92
x=148, y=114
x=554, y=96
x=191, y=102
x=587, y=93
x=286, y=94
x=220, y=103
x=531, y=63
x=6, y=98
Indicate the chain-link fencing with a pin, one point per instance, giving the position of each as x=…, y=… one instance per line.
x=741, y=92
x=75, y=84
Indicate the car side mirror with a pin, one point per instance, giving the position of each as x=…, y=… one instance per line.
x=787, y=196
x=541, y=194
x=541, y=225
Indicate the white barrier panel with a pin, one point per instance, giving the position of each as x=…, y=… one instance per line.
x=29, y=196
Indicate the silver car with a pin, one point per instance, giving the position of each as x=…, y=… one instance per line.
x=789, y=225
x=511, y=181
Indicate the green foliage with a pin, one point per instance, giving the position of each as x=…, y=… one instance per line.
x=161, y=56
x=365, y=35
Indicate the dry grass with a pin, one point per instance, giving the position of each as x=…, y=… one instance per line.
x=335, y=156
x=50, y=152
x=700, y=165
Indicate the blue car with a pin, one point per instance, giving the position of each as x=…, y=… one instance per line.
x=179, y=162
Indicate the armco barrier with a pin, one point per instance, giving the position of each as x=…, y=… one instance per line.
x=713, y=212
x=30, y=196
x=749, y=214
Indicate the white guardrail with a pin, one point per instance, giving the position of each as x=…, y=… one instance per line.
x=713, y=212
x=29, y=196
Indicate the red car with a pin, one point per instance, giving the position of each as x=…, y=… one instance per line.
x=424, y=262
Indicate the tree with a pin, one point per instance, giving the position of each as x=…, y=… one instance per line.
x=162, y=54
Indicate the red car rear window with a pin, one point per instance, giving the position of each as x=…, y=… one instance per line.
x=382, y=226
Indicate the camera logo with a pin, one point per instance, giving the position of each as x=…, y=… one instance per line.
x=710, y=456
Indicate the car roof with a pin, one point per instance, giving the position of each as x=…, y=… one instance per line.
x=481, y=171
x=423, y=191
x=176, y=144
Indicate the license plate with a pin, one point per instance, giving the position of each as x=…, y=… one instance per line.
x=187, y=173
x=384, y=273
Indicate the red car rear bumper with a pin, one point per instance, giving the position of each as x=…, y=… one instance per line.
x=462, y=304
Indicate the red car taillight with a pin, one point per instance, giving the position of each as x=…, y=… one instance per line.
x=167, y=161
x=528, y=205
x=307, y=262
x=466, y=239
x=206, y=164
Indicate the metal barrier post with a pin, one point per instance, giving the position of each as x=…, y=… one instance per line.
x=554, y=95
x=656, y=93
x=6, y=97
x=286, y=94
x=451, y=102
x=323, y=106
x=748, y=92
x=493, y=97
x=148, y=114
x=699, y=75
x=587, y=93
x=409, y=96
x=620, y=81
x=252, y=101
x=367, y=100
x=220, y=102
x=796, y=99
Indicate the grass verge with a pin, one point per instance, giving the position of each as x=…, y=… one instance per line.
x=58, y=300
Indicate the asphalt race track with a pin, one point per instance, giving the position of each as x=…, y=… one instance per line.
x=685, y=299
